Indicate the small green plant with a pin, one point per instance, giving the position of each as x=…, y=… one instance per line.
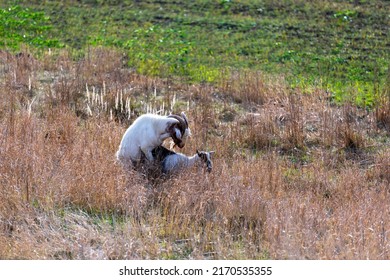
x=345, y=15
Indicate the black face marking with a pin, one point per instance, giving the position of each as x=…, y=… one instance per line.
x=181, y=128
x=182, y=125
x=172, y=132
x=205, y=157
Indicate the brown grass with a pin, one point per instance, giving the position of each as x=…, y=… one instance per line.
x=295, y=177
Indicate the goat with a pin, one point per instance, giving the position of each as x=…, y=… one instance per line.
x=172, y=162
x=148, y=132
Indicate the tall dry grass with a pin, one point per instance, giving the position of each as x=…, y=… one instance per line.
x=295, y=177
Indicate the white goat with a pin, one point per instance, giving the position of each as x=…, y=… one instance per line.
x=172, y=162
x=148, y=132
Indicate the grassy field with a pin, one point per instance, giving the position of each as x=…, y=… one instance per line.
x=341, y=46
x=296, y=175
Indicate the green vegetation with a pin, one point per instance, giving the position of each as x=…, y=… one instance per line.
x=342, y=46
x=23, y=26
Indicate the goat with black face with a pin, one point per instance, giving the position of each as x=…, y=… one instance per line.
x=172, y=162
x=148, y=132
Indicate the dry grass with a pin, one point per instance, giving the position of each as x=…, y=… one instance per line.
x=294, y=176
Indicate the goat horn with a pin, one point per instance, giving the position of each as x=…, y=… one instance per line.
x=183, y=123
x=185, y=118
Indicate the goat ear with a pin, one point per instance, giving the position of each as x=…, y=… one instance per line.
x=211, y=152
x=198, y=152
x=178, y=134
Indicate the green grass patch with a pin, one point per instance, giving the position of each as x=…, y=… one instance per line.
x=334, y=45
x=19, y=26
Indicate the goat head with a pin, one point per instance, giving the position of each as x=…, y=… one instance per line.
x=182, y=126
